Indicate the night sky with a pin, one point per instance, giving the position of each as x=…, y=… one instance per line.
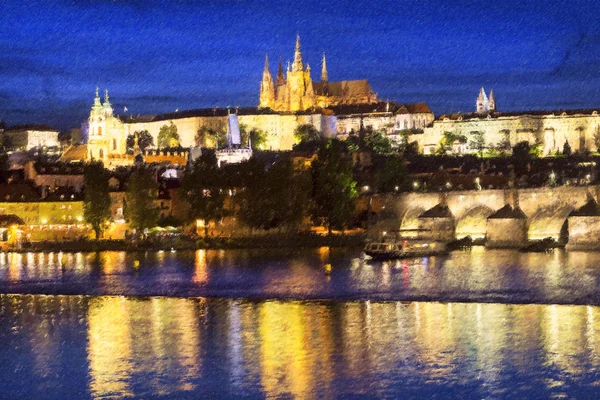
x=155, y=57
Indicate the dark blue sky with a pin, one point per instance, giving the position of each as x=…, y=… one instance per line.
x=157, y=56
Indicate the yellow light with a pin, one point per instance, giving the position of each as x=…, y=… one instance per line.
x=44, y=221
x=200, y=223
x=80, y=218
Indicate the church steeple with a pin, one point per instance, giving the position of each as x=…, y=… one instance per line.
x=267, y=90
x=107, y=106
x=492, y=101
x=97, y=107
x=280, y=76
x=298, y=64
x=324, y=76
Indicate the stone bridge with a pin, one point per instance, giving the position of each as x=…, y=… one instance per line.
x=504, y=215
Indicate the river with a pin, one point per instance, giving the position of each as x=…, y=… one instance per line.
x=272, y=324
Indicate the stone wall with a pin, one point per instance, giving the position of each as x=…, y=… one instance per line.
x=550, y=130
x=506, y=232
x=584, y=233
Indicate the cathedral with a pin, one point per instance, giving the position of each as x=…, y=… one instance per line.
x=296, y=91
x=485, y=104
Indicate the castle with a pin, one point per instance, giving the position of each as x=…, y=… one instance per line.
x=296, y=91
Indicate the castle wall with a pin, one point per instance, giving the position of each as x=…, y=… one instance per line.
x=187, y=128
x=552, y=131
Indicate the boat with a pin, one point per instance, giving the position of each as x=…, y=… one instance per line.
x=387, y=250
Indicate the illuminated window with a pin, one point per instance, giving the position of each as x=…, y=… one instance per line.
x=114, y=144
x=99, y=131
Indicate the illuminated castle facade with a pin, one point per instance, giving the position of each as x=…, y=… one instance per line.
x=296, y=91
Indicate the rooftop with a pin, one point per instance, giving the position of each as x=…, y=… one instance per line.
x=30, y=127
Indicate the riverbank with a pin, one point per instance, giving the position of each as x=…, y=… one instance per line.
x=307, y=240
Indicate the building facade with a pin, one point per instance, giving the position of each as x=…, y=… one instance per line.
x=28, y=137
x=107, y=135
x=550, y=129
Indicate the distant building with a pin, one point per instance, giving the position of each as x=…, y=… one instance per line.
x=28, y=137
x=485, y=104
x=550, y=129
x=390, y=117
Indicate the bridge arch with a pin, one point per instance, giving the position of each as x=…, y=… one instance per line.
x=410, y=219
x=473, y=222
x=550, y=222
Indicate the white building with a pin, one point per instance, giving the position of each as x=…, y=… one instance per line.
x=28, y=137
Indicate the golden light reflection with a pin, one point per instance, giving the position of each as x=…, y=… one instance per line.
x=113, y=261
x=200, y=267
x=290, y=336
x=157, y=337
x=109, y=347
x=564, y=335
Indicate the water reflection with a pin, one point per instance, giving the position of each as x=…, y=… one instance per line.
x=113, y=347
x=475, y=275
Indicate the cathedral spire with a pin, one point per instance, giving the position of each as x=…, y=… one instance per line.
x=106, y=102
x=324, y=76
x=280, y=76
x=491, y=101
x=267, y=90
x=298, y=64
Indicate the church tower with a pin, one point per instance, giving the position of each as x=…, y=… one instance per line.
x=301, y=93
x=324, y=76
x=97, y=148
x=267, y=89
x=492, y=101
x=482, y=101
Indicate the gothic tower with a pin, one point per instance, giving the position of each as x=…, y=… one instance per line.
x=492, y=101
x=267, y=89
x=324, y=77
x=482, y=101
x=301, y=94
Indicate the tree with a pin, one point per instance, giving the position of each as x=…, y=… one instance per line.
x=204, y=187
x=375, y=142
x=288, y=191
x=255, y=137
x=140, y=195
x=448, y=140
x=307, y=133
x=168, y=136
x=478, y=142
x=96, y=202
x=145, y=140
x=522, y=151
x=390, y=173
x=567, y=149
x=334, y=188
x=597, y=138
x=255, y=206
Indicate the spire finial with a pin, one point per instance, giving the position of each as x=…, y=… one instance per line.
x=266, y=61
x=106, y=95
x=324, y=75
x=298, y=65
x=97, y=89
